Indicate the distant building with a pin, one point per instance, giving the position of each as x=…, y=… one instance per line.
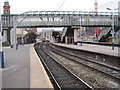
x=90, y=31
x=88, y=34
x=20, y=32
x=25, y=33
x=29, y=30
x=46, y=34
x=6, y=7
x=6, y=10
x=50, y=35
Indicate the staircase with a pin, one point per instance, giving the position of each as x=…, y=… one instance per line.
x=63, y=33
x=103, y=34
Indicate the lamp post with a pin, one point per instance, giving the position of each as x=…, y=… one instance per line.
x=1, y=51
x=112, y=31
x=22, y=38
x=80, y=31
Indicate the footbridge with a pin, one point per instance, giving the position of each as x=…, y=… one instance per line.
x=34, y=19
x=60, y=19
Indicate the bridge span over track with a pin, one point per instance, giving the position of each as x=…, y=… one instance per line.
x=33, y=19
x=60, y=19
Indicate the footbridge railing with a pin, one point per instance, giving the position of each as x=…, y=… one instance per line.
x=61, y=19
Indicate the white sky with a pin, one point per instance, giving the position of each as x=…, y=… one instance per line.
x=21, y=6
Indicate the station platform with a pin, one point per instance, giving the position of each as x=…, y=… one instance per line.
x=23, y=69
x=93, y=48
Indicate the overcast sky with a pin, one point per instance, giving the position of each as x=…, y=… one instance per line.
x=21, y=6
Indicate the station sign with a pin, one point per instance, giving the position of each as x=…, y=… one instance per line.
x=76, y=27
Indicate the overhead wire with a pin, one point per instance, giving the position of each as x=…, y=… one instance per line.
x=60, y=5
x=103, y=6
x=109, y=4
x=57, y=4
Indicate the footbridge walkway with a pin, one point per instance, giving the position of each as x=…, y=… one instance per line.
x=61, y=19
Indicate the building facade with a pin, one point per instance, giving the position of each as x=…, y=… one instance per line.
x=6, y=8
x=46, y=34
x=6, y=31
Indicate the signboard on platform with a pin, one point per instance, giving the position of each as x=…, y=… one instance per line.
x=112, y=32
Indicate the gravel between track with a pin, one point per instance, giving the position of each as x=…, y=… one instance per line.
x=93, y=78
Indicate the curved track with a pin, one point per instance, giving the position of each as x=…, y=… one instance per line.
x=62, y=77
x=111, y=71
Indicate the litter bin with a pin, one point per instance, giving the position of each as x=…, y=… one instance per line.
x=75, y=43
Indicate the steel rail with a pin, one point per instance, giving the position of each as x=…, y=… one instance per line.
x=45, y=65
x=88, y=86
x=64, y=54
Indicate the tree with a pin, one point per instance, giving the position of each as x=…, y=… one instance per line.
x=30, y=37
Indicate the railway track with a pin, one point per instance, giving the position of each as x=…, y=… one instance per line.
x=103, y=68
x=62, y=77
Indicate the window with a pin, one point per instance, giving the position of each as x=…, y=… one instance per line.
x=6, y=11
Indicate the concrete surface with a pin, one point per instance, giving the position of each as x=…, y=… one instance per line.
x=94, y=48
x=23, y=69
x=17, y=68
x=0, y=78
x=38, y=75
